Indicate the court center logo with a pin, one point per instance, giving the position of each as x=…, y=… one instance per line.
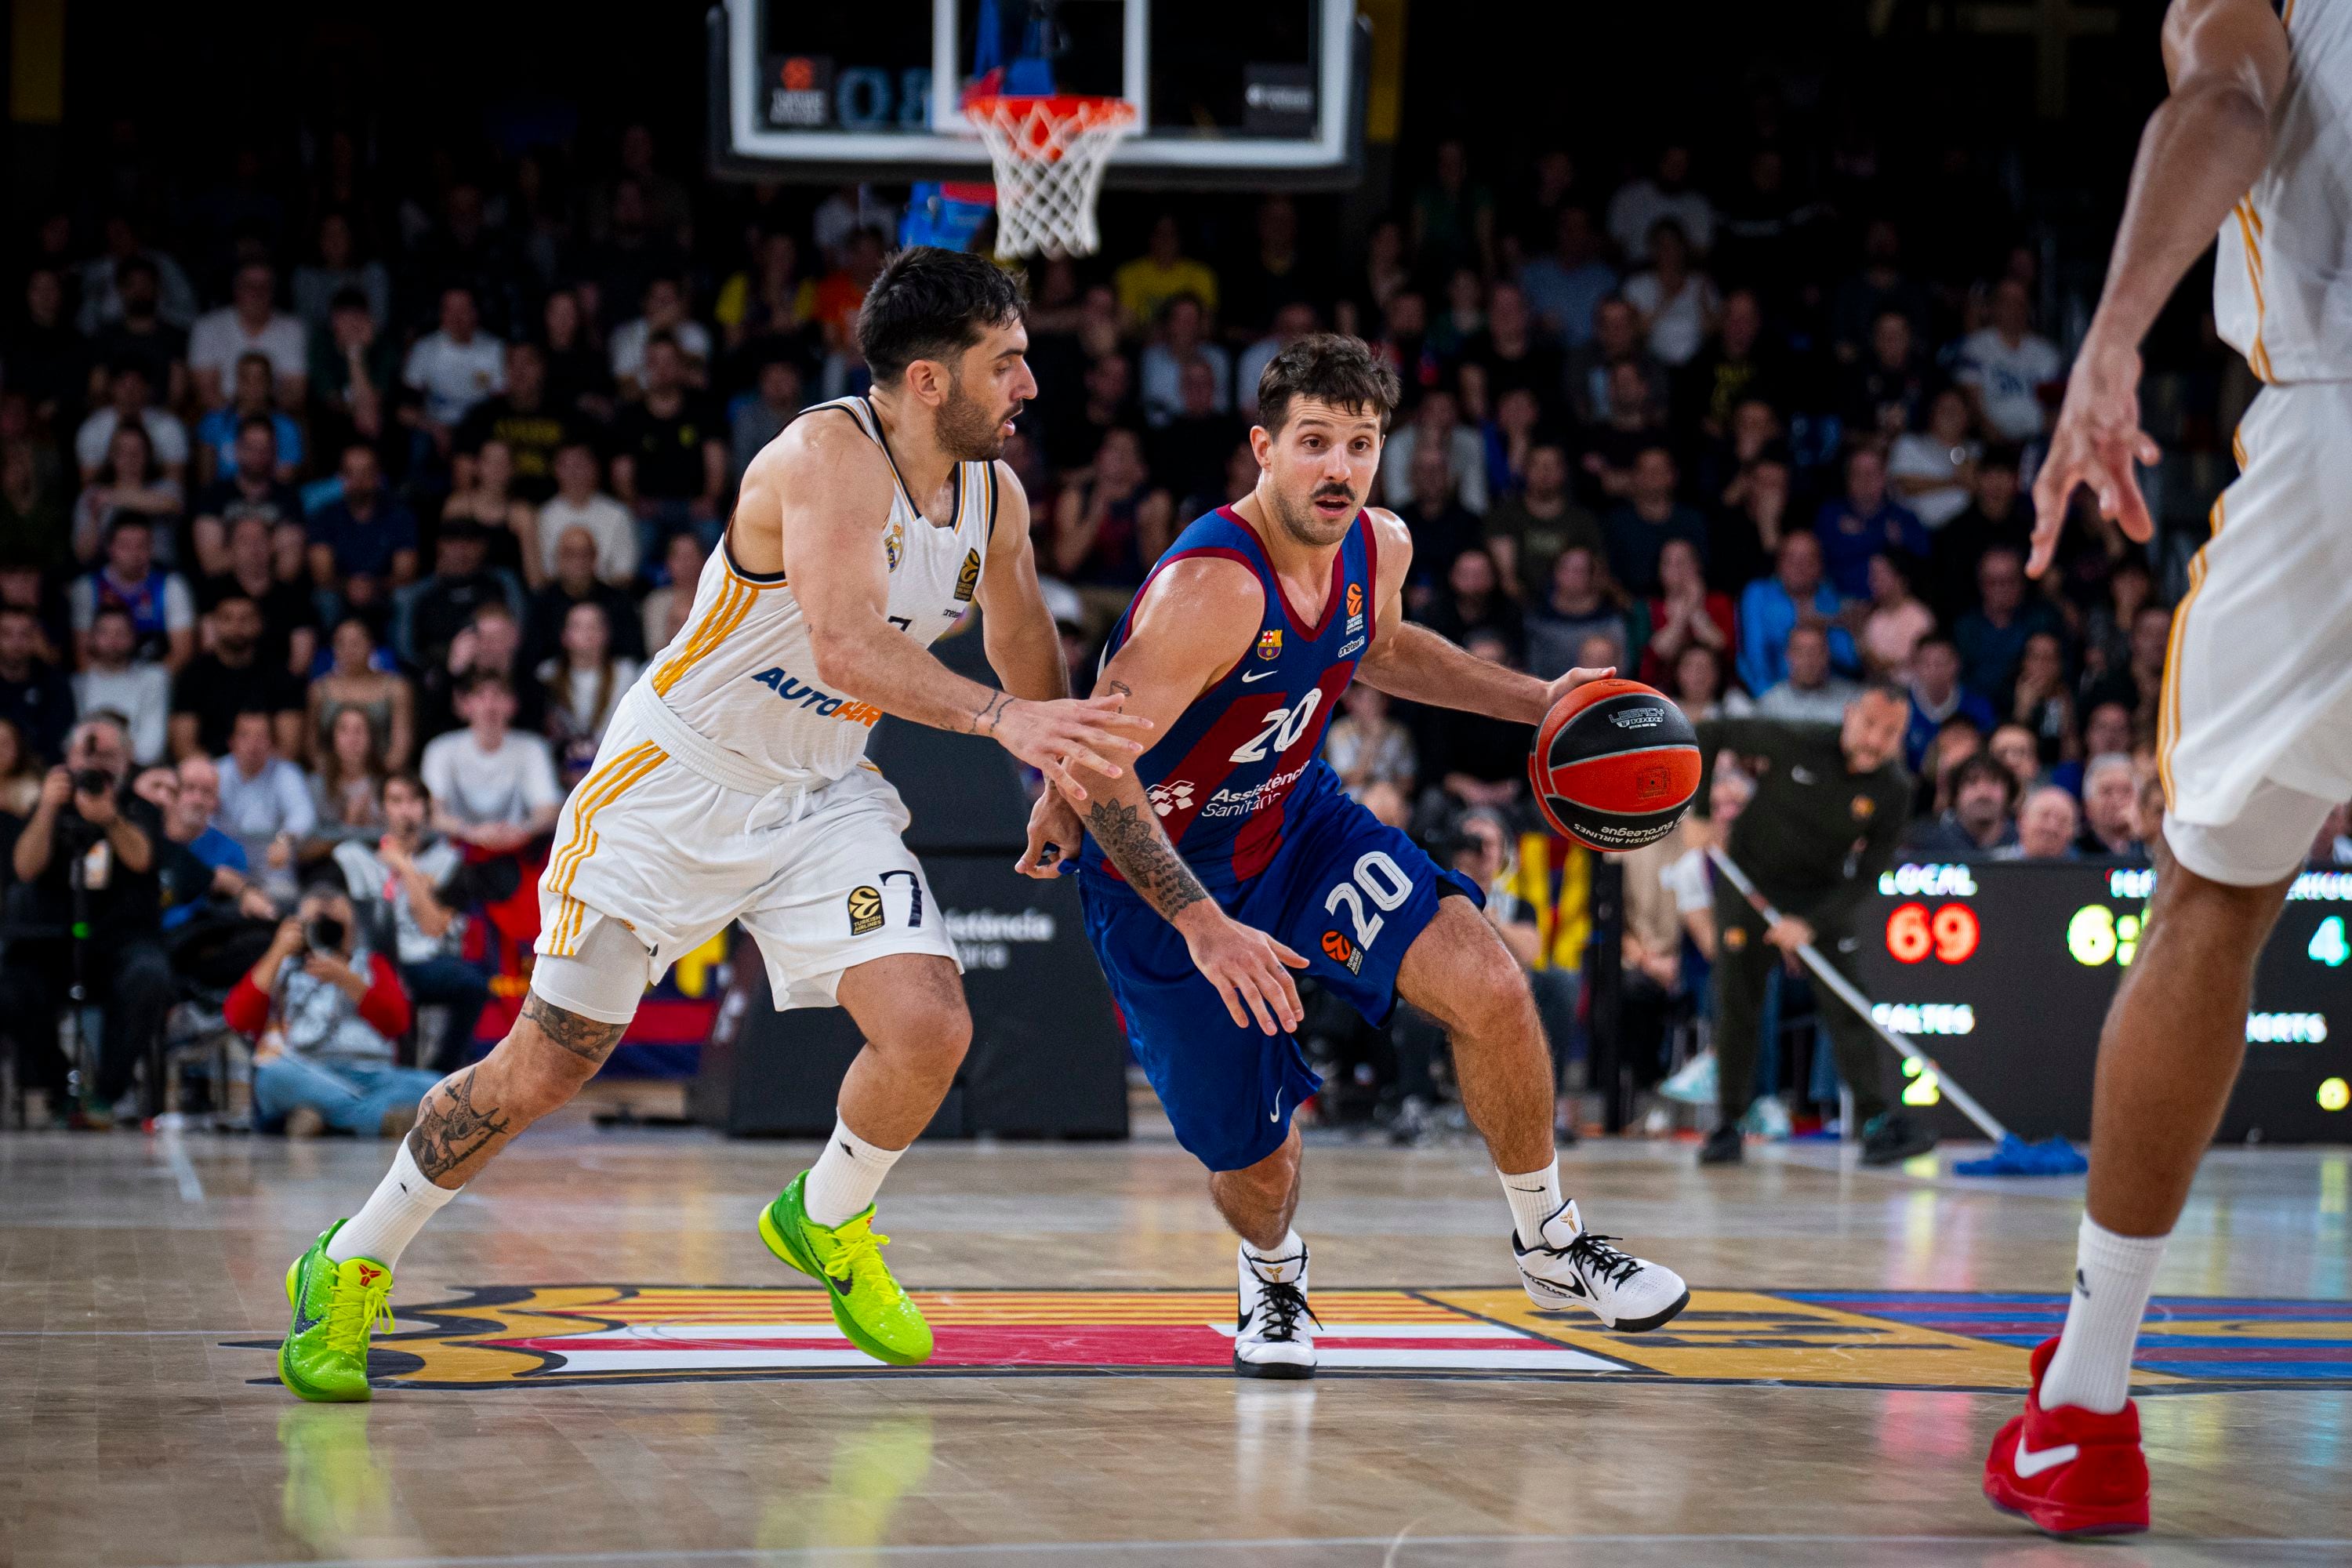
x=865, y=910
x=524, y=1336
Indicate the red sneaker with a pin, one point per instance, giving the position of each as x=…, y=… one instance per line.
x=2069, y=1471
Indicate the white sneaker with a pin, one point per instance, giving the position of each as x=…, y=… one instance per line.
x=1271, y=1338
x=1572, y=1267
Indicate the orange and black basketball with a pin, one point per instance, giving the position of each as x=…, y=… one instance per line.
x=1613, y=766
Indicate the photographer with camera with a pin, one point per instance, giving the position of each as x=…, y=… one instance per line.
x=89, y=907
x=324, y=1012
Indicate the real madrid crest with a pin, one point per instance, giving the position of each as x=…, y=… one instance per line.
x=894, y=543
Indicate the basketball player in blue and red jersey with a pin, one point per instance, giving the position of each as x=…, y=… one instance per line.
x=1230, y=849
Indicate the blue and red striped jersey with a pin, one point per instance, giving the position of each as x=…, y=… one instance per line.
x=1229, y=771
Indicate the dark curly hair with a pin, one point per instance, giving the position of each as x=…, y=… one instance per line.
x=930, y=303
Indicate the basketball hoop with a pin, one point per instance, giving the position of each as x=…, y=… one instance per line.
x=1049, y=152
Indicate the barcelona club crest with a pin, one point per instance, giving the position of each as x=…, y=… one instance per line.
x=1269, y=644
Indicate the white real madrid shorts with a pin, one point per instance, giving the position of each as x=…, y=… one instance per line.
x=653, y=858
x=2255, y=734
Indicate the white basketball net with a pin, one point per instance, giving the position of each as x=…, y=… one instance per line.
x=1049, y=154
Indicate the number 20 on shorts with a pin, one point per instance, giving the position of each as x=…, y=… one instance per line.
x=1381, y=880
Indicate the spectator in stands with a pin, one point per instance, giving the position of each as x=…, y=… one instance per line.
x=1744, y=534
x=1773, y=606
x=265, y=800
x=2013, y=747
x=202, y=869
x=1933, y=471
x=359, y=679
x=104, y=278
x=1566, y=285
x=760, y=418
x=485, y=500
x=1440, y=526
x=1616, y=340
x=353, y=373
x=1485, y=760
x=252, y=484
x=2110, y=807
x=1733, y=368
x=34, y=523
x=1896, y=619
x=1291, y=323
x=1981, y=818
x=338, y=1009
x=449, y=370
x=1526, y=531
x=1684, y=613
x=1864, y=523
x=72, y=829
x=142, y=336
x=1437, y=423
x=1188, y=454
x=441, y=606
x=1678, y=306
x=1110, y=521
x=2045, y=827
x=1810, y=694
x=670, y=453
x=769, y=304
x=2008, y=369
x=1276, y=275
x=250, y=323
x=129, y=395
x=493, y=643
x=525, y=420
x=1698, y=682
x=665, y=608
x=579, y=380
x=1163, y=271
x=413, y=883
x=2139, y=686
x=1937, y=695
x=363, y=544
x=578, y=505
x=1639, y=530
x=1635, y=424
x=1367, y=745
x=490, y=786
x=1667, y=194
x=1453, y=215
x=2039, y=698
x=664, y=315
x=1992, y=637
x=1998, y=516
x=582, y=681
x=131, y=486
x=1473, y=600
x=1583, y=603
x=230, y=678
x=1183, y=341
x=163, y=612
x=1880, y=288
x=575, y=583
x=140, y=692
x=347, y=786
x=35, y=695
x=1887, y=389
x=842, y=291
x=338, y=266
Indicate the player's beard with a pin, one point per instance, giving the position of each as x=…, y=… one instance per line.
x=1308, y=526
x=968, y=431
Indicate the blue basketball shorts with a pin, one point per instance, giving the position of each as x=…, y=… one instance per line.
x=1346, y=892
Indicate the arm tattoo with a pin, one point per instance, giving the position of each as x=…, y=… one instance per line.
x=984, y=721
x=451, y=1131
x=1133, y=839
x=590, y=1039
x=1121, y=687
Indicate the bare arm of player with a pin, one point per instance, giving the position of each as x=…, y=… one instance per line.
x=1196, y=622
x=1408, y=660
x=812, y=492
x=2203, y=147
x=1024, y=646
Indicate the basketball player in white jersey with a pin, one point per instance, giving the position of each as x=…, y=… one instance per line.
x=732, y=785
x=2256, y=738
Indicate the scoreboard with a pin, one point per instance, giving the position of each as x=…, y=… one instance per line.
x=2003, y=972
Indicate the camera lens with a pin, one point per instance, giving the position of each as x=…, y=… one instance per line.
x=93, y=780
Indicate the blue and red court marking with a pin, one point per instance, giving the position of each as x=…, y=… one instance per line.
x=2207, y=1339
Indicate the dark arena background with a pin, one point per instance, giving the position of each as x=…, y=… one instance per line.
x=376, y=384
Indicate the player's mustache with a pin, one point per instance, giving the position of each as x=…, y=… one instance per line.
x=1333, y=492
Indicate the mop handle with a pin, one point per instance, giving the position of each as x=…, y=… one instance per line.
x=1855, y=999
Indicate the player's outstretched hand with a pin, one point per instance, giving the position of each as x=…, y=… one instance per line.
x=1053, y=836
x=2096, y=441
x=1249, y=968
x=1570, y=682
x=1052, y=737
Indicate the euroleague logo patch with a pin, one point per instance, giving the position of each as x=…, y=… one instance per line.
x=1340, y=951
x=1355, y=605
x=968, y=579
x=865, y=910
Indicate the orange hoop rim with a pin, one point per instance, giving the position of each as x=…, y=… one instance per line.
x=1089, y=112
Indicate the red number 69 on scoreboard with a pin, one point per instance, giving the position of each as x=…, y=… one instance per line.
x=1949, y=933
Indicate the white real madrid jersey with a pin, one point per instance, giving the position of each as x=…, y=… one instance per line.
x=740, y=671
x=2283, y=279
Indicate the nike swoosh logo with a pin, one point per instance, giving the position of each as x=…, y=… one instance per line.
x=1260, y=675
x=2029, y=1464
x=1275, y=1115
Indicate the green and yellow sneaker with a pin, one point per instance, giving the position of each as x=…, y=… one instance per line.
x=336, y=1307
x=867, y=1302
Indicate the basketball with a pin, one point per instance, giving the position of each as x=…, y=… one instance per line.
x=1613, y=766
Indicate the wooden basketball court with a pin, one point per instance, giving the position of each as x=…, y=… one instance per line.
x=597, y=1363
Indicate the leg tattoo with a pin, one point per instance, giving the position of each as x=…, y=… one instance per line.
x=451, y=1131
x=590, y=1039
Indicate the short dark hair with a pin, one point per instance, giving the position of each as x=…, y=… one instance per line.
x=411, y=780
x=1330, y=367
x=1984, y=765
x=481, y=679
x=262, y=422
x=931, y=304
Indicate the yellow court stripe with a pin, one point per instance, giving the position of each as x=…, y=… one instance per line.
x=582, y=798
x=585, y=832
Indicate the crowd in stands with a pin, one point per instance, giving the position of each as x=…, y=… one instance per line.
x=337, y=513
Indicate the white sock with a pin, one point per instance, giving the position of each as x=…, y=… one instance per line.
x=1534, y=1198
x=2113, y=1275
x=1284, y=1264
x=398, y=1209
x=846, y=1176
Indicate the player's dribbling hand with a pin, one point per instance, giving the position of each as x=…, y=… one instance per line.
x=1071, y=731
x=1570, y=682
x=2096, y=441
x=1053, y=836
x=1246, y=966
